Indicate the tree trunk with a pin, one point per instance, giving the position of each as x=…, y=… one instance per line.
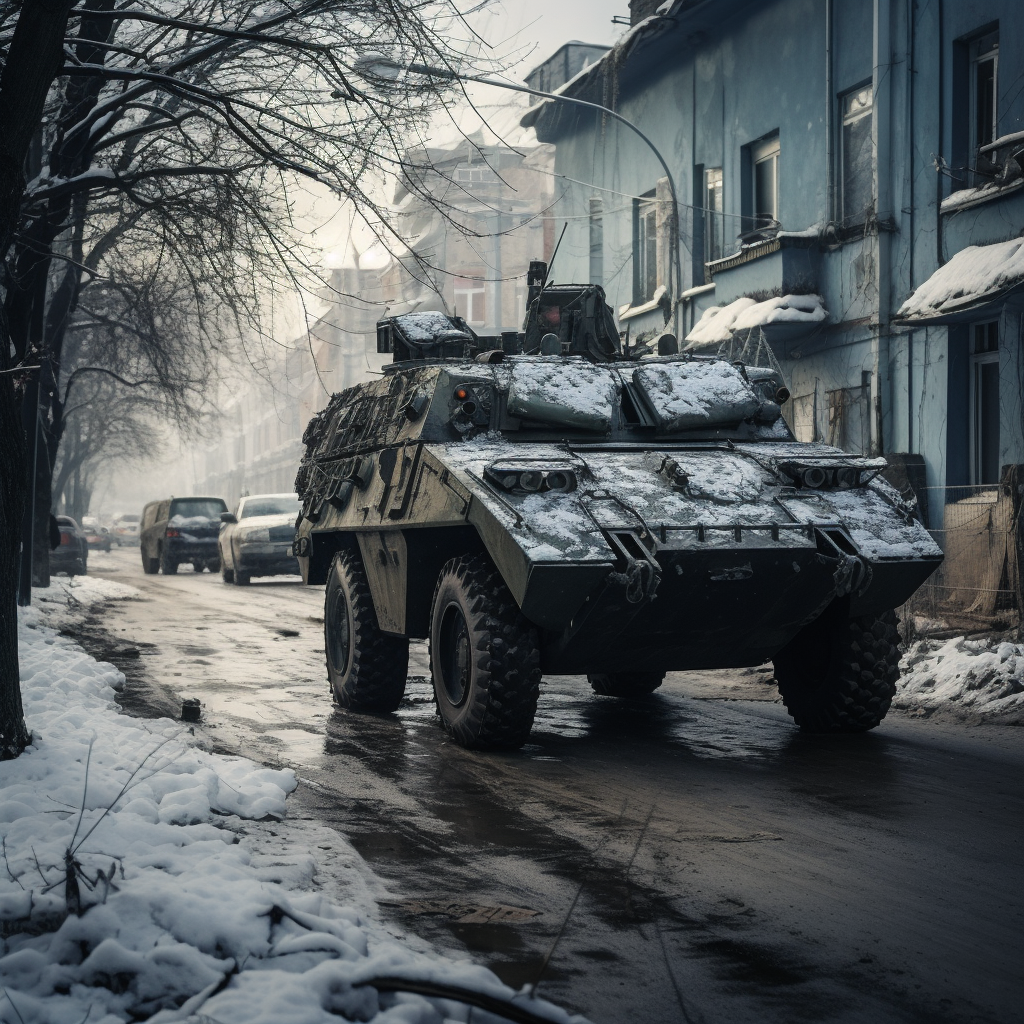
x=34, y=58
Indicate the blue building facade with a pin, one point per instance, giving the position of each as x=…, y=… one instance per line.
x=848, y=172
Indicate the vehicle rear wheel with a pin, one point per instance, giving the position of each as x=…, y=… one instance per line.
x=838, y=674
x=167, y=564
x=625, y=684
x=150, y=566
x=484, y=658
x=227, y=575
x=242, y=579
x=367, y=668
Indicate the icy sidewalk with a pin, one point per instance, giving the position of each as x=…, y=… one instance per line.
x=180, y=918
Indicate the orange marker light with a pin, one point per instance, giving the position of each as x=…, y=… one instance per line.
x=461, y=393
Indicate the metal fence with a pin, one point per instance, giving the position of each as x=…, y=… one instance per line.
x=978, y=583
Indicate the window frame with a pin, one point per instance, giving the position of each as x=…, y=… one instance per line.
x=765, y=150
x=846, y=218
x=646, y=275
x=714, y=216
x=976, y=438
x=468, y=295
x=983, y=49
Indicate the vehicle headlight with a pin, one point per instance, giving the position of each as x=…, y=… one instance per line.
x=817, y=477
x=256, y=536
x=527, y=479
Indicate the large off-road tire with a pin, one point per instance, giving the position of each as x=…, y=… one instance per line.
x=367, y=668
x=626, y=684
x=484, y=658
x=838, y=674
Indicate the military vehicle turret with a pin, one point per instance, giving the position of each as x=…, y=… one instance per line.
x=544, y=503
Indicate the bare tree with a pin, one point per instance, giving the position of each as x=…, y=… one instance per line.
x=216, y=109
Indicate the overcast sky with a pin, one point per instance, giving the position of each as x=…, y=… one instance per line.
x=539, y=27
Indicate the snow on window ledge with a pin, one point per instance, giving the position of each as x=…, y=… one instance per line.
x=655, y=302
x=965, y=198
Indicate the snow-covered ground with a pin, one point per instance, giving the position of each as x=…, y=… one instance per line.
x=146, y=878
x=982, y=677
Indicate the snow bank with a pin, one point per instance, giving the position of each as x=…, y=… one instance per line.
x=973, y=275
x=977, y=675
x=180, y=917
x=719, y=323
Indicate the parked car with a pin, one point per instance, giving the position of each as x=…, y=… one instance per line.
x=126, y=530
x=256, y=540
x=179, y=530
x=96, y=536
x=72, y=554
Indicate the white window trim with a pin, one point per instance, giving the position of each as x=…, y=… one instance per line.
x=761, y=152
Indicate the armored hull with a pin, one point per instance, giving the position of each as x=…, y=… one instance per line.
x=630, y=516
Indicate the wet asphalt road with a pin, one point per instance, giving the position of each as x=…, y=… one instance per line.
x=690, y=857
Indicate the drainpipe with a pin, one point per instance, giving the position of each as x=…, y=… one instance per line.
x=830, y=156
x=881, y=130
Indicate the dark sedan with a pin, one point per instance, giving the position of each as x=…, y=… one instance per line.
x=72, y=554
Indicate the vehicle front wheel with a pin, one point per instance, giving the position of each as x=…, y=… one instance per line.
x=838, y=674
x=625, y=684
x=367, y=668
x=484, y=658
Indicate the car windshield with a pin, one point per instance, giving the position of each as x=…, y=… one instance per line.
x=191, y=508
x=270, y=505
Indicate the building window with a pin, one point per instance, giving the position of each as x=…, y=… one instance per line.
x=714, y=224
x=984, y=69
x=470, y=299
x=596, y=241
x=765, y=157
x=856, y=186
x=984, y=413
x=645, y=249
x=475, y=174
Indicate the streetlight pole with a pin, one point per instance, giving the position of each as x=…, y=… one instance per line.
x=369, y=63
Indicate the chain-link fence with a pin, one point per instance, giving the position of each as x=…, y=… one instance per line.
x=977, y=587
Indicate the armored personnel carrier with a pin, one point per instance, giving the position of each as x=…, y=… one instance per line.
x=544, y=503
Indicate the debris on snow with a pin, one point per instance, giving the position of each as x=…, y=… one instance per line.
x=972, y=276
x=981, y=676
x=719, y=323
x=132, y=889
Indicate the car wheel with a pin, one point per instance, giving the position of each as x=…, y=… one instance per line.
x=484, y=658
x=242, y=579
x=838, y=674
x=167, y=564
x=367, y=668
x=150, y=566
x=227, y=575
x=213, y=565
x=625, y=684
